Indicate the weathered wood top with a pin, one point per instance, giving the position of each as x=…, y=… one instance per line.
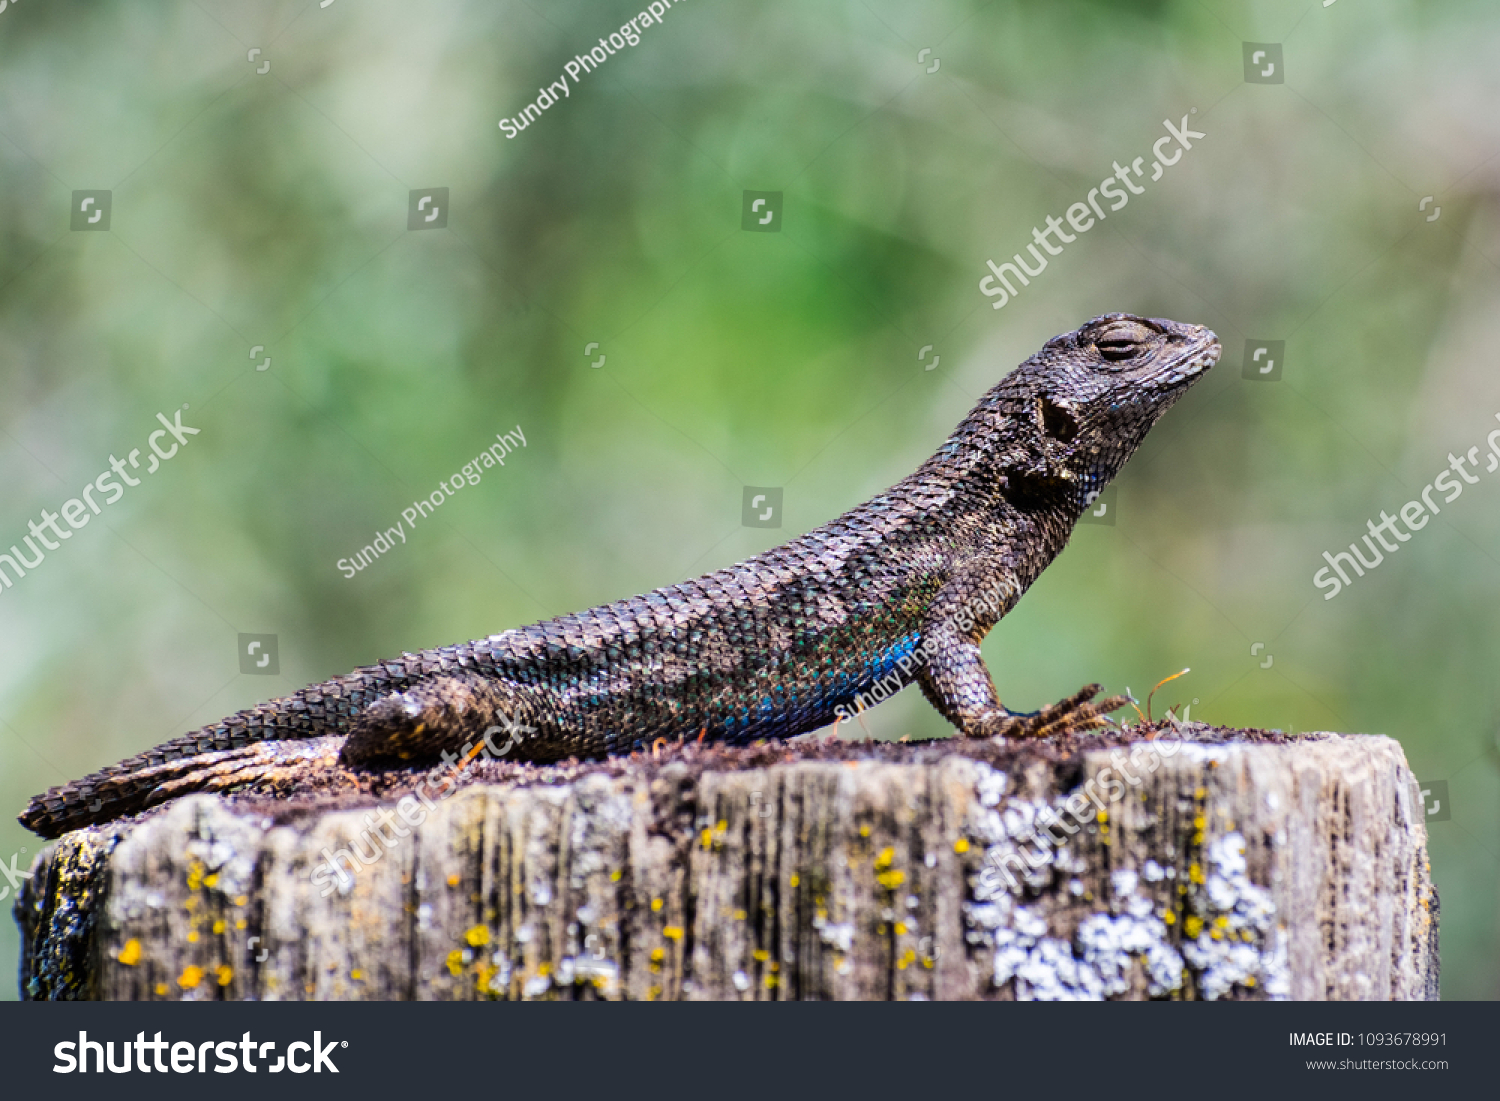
x=1241, y=864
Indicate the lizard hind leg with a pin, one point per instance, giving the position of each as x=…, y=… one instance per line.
x=457, y=714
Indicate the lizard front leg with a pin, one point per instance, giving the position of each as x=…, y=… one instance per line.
x=956, y=681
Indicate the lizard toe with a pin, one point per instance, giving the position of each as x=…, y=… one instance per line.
x=1075, y=714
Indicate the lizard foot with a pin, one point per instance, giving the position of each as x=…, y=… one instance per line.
x=1075, y=714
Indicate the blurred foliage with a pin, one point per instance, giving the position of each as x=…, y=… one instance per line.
x=271, y=209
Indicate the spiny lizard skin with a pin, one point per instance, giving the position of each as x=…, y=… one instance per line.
x=902, y=588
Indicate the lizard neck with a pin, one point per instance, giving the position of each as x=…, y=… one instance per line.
x=1020, y=454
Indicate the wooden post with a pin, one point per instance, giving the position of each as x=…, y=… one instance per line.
x=1204, y=864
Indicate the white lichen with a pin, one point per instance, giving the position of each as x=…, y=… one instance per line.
x=536, y=986
x=1240, y=943
x=838, y=935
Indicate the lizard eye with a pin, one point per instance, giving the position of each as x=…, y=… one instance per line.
x=1122, y=340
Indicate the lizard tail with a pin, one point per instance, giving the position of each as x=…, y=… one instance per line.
x=139, y=783
x=145, y=780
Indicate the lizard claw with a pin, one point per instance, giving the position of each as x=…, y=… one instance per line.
x=1075, y=714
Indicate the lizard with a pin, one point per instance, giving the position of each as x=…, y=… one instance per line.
x=900, y=589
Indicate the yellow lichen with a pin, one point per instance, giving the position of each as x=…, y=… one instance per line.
x=455, y=962
x=796, y=879
x=357, y=975
x=761, y=955
x=961, y=846
x=656, y=905
x=219, y=927
x=883, y=861
x=191, y=976
x=161, y=989
x=672, y=932
x=477, y=936
x=1192, y=925
x=892, y=879
x=453, y=880
x=130, y=955
x=224, y=973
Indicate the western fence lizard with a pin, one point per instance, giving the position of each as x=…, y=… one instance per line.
x=902, y=588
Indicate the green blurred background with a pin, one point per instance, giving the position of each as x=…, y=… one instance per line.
x=271, y=209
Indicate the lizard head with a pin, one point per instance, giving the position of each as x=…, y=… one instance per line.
x=1085, y=401
x=1117, y=375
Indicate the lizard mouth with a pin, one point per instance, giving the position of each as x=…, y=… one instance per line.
x=1188, y=366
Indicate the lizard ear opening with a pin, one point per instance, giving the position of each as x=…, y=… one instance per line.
x=1055, y=420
